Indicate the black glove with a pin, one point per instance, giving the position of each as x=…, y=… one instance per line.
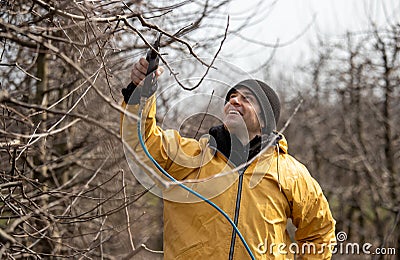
x=127, y=93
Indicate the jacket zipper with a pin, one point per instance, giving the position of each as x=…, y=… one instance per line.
x=237, y=209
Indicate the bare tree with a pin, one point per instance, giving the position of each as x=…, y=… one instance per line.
x=66, y=190
x=348, y=119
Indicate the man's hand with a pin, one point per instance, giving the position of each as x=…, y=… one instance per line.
x=139, y=71
x=138, y=74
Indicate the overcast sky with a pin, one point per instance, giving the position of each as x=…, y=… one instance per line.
x=288, y=18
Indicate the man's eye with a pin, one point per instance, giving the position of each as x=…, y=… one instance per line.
x=248, y=98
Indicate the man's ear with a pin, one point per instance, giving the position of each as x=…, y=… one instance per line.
x=262, y=121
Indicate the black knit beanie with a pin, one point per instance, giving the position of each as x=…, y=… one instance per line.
x=266, y=97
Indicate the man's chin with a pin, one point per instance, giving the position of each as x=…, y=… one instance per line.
x=235, y=128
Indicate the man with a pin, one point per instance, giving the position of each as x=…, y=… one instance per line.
x=269, y=189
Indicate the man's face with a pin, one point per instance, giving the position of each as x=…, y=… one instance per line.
x=242, y=113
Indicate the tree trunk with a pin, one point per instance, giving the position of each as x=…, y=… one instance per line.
x=42, y=99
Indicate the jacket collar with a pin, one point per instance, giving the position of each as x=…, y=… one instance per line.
x=231, y=147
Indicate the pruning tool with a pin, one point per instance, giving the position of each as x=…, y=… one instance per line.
x=150, y=82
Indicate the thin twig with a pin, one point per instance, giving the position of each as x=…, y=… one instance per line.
x=21, y=69
x=128, y=221
x=291, y=116
x=213, y=60
x=283, y=44
x=38, y=136
x=86, y=186
x=205, y=114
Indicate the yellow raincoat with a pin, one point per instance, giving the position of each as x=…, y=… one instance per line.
x=273, y=188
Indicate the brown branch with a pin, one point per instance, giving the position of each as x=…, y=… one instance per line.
x=83, y=18
x=46, y=134
x=10, y=184
x=158, y=29
x=61, y=112
x=170, y=69
x=16, y=39
x=5, y=238
x=213, y=60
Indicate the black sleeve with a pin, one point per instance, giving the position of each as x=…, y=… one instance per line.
x=127, y=93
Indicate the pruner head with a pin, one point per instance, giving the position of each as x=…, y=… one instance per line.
x=156, y=46
x=157, y=42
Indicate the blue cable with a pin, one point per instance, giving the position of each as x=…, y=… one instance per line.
x=139, y=130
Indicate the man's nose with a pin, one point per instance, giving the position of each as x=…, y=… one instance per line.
x=234, y=100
